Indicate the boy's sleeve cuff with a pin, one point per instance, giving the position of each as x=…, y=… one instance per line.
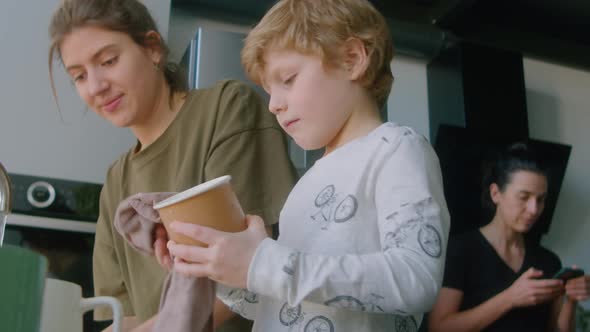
x=264, y=276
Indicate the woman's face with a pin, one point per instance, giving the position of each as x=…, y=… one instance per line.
x=522, y=201
x=114, y=76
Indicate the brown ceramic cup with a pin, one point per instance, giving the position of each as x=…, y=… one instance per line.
x=213, y=204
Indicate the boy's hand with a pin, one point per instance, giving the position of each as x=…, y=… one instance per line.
x=527, y=290
x=160, y=250
x=228, y=256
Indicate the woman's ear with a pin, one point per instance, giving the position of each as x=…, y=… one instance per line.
x=153, y=45
x=356, y=59
x=495, y=193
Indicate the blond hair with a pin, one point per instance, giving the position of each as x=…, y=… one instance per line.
x=127, y=16
x=320, y=27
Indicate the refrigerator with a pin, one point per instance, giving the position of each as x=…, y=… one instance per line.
x=214, y=54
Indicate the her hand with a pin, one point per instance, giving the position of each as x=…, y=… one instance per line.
x=227, y=257
x=578, y=289
x=529, y=291
x=160, y=250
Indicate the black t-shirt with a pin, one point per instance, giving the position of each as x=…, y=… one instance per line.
x=474, y=267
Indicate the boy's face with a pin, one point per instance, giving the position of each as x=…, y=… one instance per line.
x=311, y=104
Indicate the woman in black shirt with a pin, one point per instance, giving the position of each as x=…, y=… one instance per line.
x=493, y=280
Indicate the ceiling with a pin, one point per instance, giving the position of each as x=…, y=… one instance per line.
x=552, y=30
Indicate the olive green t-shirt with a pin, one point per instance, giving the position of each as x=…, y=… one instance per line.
x=221, y=130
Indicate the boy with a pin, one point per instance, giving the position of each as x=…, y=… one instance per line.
x=363, y=233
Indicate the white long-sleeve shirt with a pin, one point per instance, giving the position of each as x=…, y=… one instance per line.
x=362, y=242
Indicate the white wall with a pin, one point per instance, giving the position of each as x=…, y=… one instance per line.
x=160, y=10
x=558, y=99
x=408, y=101
x=34, y=139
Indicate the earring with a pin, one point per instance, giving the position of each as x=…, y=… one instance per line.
x=156, y=66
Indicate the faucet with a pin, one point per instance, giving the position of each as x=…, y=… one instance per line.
x=5, y=192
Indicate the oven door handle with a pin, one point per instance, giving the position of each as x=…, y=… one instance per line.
x=51, y=223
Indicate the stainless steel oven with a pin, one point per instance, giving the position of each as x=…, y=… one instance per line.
x=57, y=218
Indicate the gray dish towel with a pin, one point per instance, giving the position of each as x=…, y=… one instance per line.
x=186, y=303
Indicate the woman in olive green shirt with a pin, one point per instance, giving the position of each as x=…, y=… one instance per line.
x=117, y=60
